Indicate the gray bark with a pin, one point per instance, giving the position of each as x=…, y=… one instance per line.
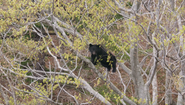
x=154, y=89
x=181, y=98
x=136, y=75
x=168, y=96
x=154, y=81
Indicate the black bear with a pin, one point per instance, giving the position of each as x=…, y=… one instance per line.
x=99, y=54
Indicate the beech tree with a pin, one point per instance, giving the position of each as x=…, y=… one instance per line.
x=44, y=57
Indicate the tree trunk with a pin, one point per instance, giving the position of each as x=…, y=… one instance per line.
x=154, y=89
x=154, y=81
x=40, y=64
x=168, y=97
x=136, y=75
x=181, y=98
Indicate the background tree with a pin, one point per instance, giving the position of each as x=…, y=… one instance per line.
x=44, y=57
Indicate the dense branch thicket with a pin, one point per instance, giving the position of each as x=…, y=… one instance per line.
x=45, y=58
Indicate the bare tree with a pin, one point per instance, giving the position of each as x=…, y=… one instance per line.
x=146, y=36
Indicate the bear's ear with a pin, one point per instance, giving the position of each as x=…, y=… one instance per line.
x=90, y=45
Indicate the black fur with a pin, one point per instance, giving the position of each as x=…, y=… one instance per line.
x=99, y=54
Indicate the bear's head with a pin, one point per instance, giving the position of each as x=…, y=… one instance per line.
x=94, y=49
